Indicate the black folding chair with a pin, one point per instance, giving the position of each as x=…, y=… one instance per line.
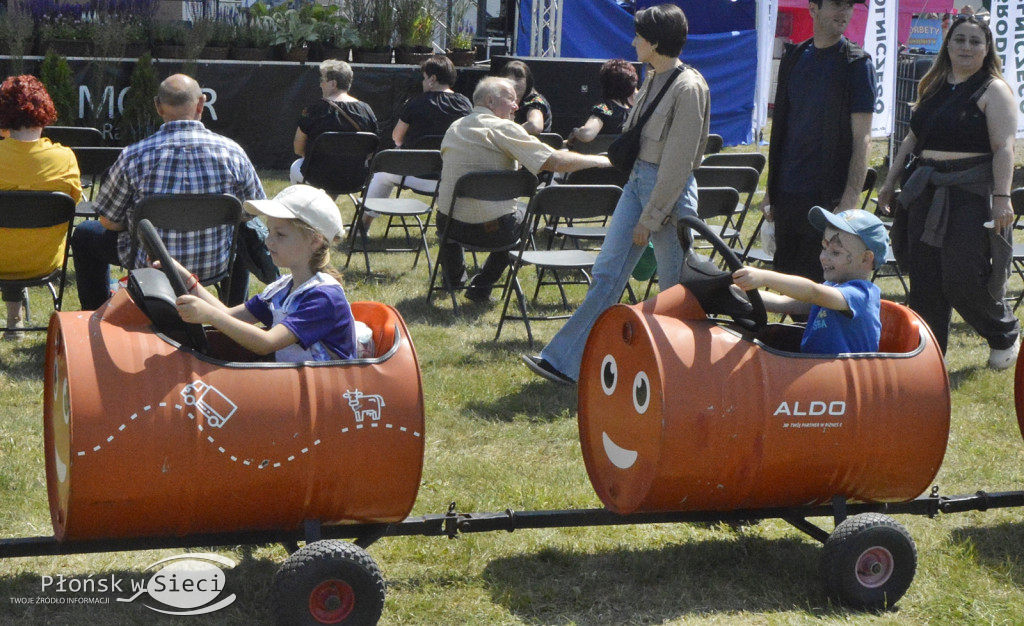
x=74, y=136
x=38, y=211
x=755, y=160
x=220, y=214
x=714, y=145
x=554, y=204
x=93, y=163
x=490, y=186
x=744, y=180
x=598, y=145
x=339, y=163
x=418, y=163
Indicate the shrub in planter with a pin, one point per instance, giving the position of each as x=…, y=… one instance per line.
x=140, y=119
x=55, y=74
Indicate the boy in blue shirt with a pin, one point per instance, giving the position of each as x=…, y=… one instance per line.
x=844, y=310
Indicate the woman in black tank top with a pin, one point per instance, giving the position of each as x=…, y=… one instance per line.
x=956, y=165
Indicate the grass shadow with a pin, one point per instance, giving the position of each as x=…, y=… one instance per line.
x=654, y=586
x=963, y=376
x=996, y=548
x=24, y=360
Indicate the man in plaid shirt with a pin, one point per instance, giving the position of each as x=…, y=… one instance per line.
x=181, y=157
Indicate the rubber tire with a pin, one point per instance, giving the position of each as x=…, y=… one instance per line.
x=853, y=539
x=317, y=563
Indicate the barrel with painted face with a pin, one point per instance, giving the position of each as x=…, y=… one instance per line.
x=680, y=413
x=145, y=439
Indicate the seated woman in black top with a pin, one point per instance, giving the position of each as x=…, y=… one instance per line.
x=534, y=112
x=336, y=112
x=430, y=113
x=618, y=86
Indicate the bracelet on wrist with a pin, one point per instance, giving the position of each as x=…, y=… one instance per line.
x=1000, y=195
x=194, y=282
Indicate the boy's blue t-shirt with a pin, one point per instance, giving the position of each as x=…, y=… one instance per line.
x=836, y=332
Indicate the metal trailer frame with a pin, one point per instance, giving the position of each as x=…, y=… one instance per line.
x=452, y=523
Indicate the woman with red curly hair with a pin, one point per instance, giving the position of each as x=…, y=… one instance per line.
x=29, y=161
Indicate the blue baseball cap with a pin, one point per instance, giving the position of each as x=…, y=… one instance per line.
x=858, y=222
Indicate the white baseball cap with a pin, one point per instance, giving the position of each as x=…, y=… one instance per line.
x=302, y=202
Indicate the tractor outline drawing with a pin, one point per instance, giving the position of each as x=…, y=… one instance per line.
x=203, y=397
x=364, y=405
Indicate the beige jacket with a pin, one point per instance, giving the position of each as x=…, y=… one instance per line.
x=674, y=138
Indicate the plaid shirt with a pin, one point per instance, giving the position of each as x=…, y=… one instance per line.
x=181, y=157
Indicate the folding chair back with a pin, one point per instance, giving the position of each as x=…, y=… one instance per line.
x=38, y=210
x=597, y=176
x=599, y=145
x=93, y=163
x=487, y=185
x=192, y=213
x=744, y=180
x=552, y=139
x=427, y=142
x=714, y=145
x=755, y=160
x=74, y=136
x=419, y=163
x=715, y=202
x=338, y=163
x=553, y=204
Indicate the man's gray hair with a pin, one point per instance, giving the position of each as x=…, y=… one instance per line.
x=490, y=86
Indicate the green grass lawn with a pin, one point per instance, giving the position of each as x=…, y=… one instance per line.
x=498, y=437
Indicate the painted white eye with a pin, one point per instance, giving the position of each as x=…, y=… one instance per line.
x=641, y=392
x=609, y=374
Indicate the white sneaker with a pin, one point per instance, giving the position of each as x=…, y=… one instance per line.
x=1002, y=359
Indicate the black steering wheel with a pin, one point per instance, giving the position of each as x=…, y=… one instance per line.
x=759, y=316
x=156, y=249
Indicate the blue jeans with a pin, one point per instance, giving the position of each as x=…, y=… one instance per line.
x=615, y=262
x=95, y=250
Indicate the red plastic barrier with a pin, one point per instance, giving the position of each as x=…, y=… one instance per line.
x=679, y=413
x=145, y=439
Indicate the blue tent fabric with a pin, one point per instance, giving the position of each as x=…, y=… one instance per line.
x=713, y=16
x=728, y=60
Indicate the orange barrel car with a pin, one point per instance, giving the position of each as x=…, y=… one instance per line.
x=682, y=412
x=145, y=437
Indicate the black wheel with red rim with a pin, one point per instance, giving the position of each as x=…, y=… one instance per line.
x=868, y=562
x=328, y=582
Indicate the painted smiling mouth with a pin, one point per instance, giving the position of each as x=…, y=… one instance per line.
x=619, y=456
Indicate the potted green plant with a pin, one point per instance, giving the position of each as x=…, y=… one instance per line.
x=169, y=40
x=219, y=37
x=337, y=35
x=375, y=20
x=254, y=34
x=69, y=33
x=294, y=32
x=415, y=31
x=460, y=44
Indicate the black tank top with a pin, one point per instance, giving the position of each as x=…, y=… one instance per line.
x=958, y=126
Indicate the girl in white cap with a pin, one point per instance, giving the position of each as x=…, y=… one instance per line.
x=305, y=314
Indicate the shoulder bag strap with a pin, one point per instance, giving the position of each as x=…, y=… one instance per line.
x=649, y=110
x=348, y=117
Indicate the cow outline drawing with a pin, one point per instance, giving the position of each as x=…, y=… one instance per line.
x=364, y=405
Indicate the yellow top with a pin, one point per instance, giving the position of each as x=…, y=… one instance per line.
x=35, y=166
